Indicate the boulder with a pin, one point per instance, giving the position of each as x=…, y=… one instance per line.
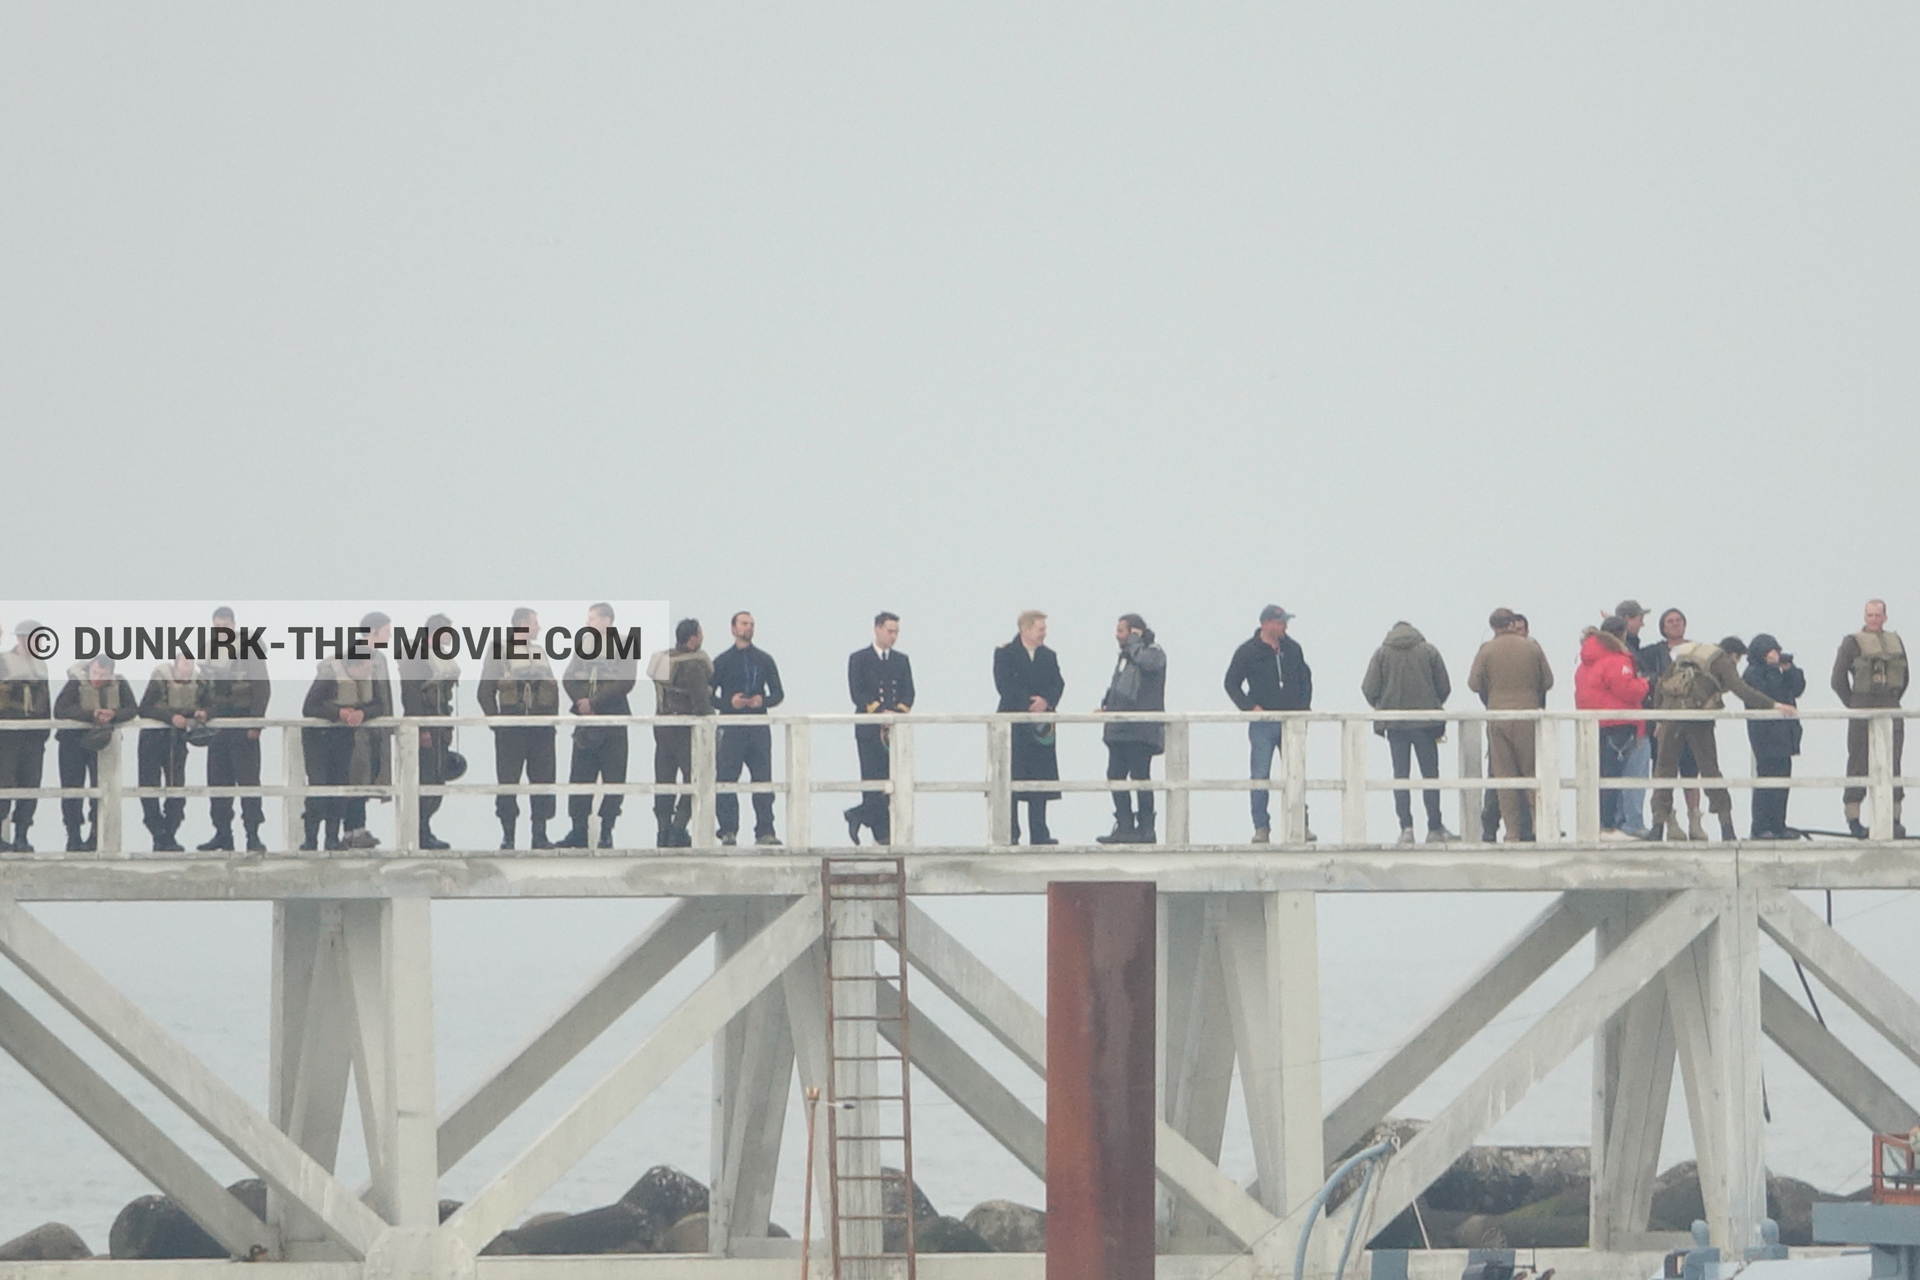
x=614, y=1228
x=689, y=1235
x=1500, y=1180
x=893, y=1199
x=542, y=1219
x=156, y=1227
x=1009, y=1227
x=942, y=1234
x=51, y=1242
x=1677, y=1202
x=666, y=1195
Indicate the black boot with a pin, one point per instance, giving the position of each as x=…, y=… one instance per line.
x=158, y=830
x=1037, y=823
x=334, y=842
x=577, y=837
x=606, y=832
x=678, y=837
x=1122, y=832
x=20, y=842
x=428, y=840
x=75, y=844
x=506, y=833
x=540, y=840
x=664, y=838
x=222, y=841
x=1856, y=828
x=254, y=843
x=312, y=841
x=1143, y=832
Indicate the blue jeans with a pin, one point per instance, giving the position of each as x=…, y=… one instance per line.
x=1631, y=807
x=1264, y=737
x=1617, y=744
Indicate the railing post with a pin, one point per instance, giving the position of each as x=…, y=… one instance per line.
x=999, y=781
x=1586, y=780
x=1473, y=758
x=108, y=817
x=1353, y=782
x=799, y=784
x=1293, y=781
x=293, y=775
x=1546, y=773
x=1880, y=775
x=900, y=766
x=1179, y=763
x=406, y=787
x=706, y=768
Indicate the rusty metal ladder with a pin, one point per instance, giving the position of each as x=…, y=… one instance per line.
x=869, y=1111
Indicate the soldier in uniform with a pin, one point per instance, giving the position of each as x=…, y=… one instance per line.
x=689, y=675
x=100, y=698
x=878, y=679
x=522, y=687
x=746, y=683
x=241, y=687
x=429, y=686
x=177, y=698
x=1871, y=671
x=346, y=691
x=598, y=687
x=24, y=695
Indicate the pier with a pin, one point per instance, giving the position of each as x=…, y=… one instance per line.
x=1675, y=984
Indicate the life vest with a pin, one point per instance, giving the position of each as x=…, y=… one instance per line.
x=526, y=687
x=347, y=690
x=1880, y=668
x=23, y=687
x=1689, y=684
x=442, y=682
x=180, y=697
x=104, y=697
x=230, y=688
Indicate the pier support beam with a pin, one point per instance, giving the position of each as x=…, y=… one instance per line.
x=1100, y=1086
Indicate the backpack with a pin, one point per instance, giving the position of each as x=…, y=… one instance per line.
x=1689, y=684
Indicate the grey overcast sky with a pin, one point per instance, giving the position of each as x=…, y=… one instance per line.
x=1377, y=311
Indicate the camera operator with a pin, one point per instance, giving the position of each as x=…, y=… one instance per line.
x=1775, y=742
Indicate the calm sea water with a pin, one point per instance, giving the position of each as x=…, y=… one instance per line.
x=501, y=968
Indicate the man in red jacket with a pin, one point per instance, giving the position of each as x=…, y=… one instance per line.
x=1607, y=681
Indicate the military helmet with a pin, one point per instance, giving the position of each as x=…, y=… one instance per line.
x=201, y=735
x=96, y=739
x=456, y=766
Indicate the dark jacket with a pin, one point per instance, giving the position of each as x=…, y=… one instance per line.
x=79, y=698
x=746, y=671
x=1651, y=661
x=428, y=686
x=24, y=691
x=1020, y=676
x=1774, y=738
x=879, y=684
x=685, y=690
x=1406, y=674
x=1139, y=683
x=167, y=696
x=1259, y=677
x=335, y=687
x=241, y=687
x=603, y=682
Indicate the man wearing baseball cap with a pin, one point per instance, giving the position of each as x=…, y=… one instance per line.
x=24, y=695
x=1269, y=673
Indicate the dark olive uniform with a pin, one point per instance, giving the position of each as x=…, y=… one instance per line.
x=24, y=695
x=241, y=688
x=429, y=687
x=79, y=763
x=1870, y=671
x=343, y=756
x=521, y=687
x=163, y=751
x=599, y=754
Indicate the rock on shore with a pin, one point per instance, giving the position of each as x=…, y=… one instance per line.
x=51, y=1242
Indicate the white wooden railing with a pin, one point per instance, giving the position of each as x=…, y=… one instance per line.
x=1294, y=776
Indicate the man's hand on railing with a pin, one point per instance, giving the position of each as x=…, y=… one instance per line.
x=352, y=716
x=103, y=715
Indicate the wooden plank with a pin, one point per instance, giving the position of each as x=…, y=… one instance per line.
x=1853, y=1084
x=1865, y=988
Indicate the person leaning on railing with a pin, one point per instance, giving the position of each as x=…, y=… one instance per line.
x=102, y=698
x=24, y=695
x=521, y=686
x=1871, y=671
x=429, y=686
x=1698, y=680
x=178, y=698
x=347, y=692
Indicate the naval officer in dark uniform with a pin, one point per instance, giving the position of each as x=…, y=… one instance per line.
x=879, y=678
